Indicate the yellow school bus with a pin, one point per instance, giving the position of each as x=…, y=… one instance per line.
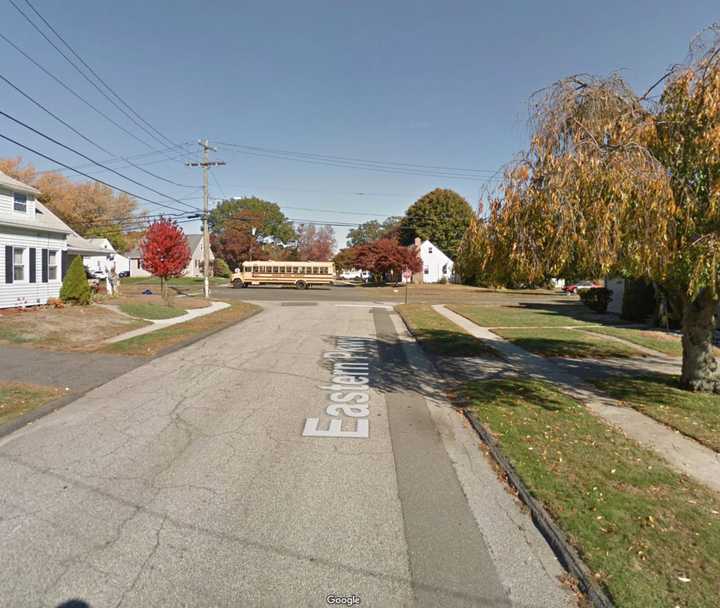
x=300, y=274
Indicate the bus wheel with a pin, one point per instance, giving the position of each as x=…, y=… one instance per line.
x=238, y=283
x=301, y=284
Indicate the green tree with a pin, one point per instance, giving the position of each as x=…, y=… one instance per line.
x=441, y=216
x=372, y=231
x=220, y=268
x=75, y=287
x=271, y=220
x=613, y=182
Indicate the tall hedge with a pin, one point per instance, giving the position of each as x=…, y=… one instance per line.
x=639, y=301
x=75, y=287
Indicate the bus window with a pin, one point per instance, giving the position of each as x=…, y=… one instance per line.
x=314, y=270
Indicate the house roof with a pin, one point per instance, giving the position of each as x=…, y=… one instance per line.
x=14, y=184
x=193, y=240
x=103, y=243
x=77, y=245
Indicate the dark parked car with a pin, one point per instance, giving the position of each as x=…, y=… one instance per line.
x=124, y=273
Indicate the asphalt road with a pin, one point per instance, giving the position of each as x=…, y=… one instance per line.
x=202, y=479
x=437, y=294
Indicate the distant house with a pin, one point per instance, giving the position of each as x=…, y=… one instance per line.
x=100, y=263
x=36, y=247
x=436, y=266
x=194, y=267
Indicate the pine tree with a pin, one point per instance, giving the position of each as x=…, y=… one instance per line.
x=75, y=287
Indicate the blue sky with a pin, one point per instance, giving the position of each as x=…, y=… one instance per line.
x=442, y=83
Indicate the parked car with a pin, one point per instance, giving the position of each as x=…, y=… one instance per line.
x=581, y=286
x=124, y=273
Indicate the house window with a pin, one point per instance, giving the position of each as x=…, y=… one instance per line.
x=429, y=249
x=20, y=202
x=52, y=266
x=444, y=269
x=18, y=264
x=426, y=270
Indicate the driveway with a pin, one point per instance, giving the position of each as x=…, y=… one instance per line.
x=76, y=371
x=217, y=476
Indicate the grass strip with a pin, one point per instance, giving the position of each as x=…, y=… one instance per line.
x=524, y=315
x=17, y=399
x=151, y=311
x=155, y=342
x=558, y=342
x=651, y=536
x=441, y=336
x=655, y=340
x=696, y=415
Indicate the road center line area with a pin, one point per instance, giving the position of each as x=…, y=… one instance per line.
x=294, y=459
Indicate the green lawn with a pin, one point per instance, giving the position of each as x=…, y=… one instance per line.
x=696, y=415
x=559, y=342
x=556, y=315
x=158, y=341
x=18, y=399
x=653, y=339
x=177, y=281
x=151, y=311
x=13, y=335
x=650, y=535
x=440, y=336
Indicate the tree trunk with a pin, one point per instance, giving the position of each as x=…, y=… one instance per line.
x=163, y=289
x=700, y=370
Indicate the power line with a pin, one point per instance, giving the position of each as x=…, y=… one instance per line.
x=372, y=168
x=96, y=75
x=92, y=83
x=62, y=145
x=72, y=92
x=90, y=177
x=87, y=139
x=124, y=166
x=387, y=166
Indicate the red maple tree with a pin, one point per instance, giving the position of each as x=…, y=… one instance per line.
x=387, y=258
x=165, y=252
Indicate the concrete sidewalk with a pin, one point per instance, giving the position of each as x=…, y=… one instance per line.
x=681, y=452
x=193, y=313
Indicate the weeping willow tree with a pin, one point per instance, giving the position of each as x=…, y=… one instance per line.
x=614, y=181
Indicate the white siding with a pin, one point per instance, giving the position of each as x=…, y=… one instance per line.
x=196, y=265
x=7, y=209
x=25, y=293
x=436, y=265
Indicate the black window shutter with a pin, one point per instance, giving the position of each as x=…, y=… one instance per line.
x=33, y=264
x=8, y=264
x=44, y=265
x=65, y=263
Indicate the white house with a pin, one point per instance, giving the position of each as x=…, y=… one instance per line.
x=194, y=267
x=436, y=266
x=36, y=247
x=101, y=262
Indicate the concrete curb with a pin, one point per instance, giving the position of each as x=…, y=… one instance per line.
x=60, y=402
x=563, y=550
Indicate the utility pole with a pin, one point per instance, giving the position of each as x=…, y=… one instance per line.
x=206, y=164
